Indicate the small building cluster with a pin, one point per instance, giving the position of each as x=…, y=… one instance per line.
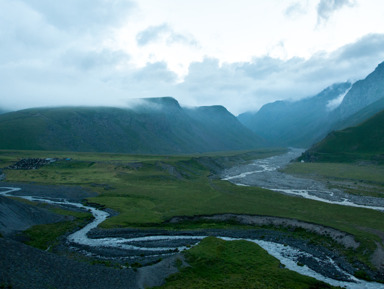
x=31, y=164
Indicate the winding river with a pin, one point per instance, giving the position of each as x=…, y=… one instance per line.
x=257, y=173
x=265, y=173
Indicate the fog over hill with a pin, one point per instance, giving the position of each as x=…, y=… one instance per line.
x=151, y=126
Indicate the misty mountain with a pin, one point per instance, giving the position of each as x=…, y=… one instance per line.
x=299, y=123
x=362, y=142
x=364, y=99
x=362, y=94
x=151, y=126
x=304, y=122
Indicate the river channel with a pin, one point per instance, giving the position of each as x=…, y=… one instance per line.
x=262, y=173
x=265, y=173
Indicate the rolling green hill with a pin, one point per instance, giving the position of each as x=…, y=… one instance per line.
x=362, y=142
x=155, y=126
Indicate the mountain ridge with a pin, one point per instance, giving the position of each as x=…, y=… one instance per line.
x=154, y=126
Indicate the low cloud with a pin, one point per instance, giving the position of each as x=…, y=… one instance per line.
x=296, y=9
x=82, y=15
x=326, y=8
x=165, y=33
x=247, y=86
x=45, y=63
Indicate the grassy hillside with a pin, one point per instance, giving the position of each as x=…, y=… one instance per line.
x=157, y=126
x=362, y=142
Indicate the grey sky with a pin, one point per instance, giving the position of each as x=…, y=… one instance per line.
x=105, y=52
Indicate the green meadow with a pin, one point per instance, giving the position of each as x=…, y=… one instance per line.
x=215, y=263
x=365, y=179
x=149, y=190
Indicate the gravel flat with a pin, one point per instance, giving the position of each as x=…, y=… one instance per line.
x=25, y=267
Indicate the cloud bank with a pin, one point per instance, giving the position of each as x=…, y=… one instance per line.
x=58, y=54
x=163, y=32
x=326, y=8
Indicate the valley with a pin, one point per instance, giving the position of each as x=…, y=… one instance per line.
x=191, y=144
x=159, y=195
x=143, y=194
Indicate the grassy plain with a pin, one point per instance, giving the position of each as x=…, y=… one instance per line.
x=215, y=263
x=148, y=190
x=356, y=178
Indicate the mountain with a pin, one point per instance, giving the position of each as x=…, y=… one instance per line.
x=304, y=122
x=151, y=126
x=362, y=142
x=362, y=94
x=364, y=99
x=299, y=123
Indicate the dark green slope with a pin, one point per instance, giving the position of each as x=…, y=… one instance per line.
x=156, y=126
x=362, y=142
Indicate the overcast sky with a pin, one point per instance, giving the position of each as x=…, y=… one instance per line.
x=241, y=54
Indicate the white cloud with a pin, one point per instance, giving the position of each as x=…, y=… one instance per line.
x=73, y=58
x=164, y=33
x=296, y=9
x=325, y=8
x=82, y=15
x=334, y=103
